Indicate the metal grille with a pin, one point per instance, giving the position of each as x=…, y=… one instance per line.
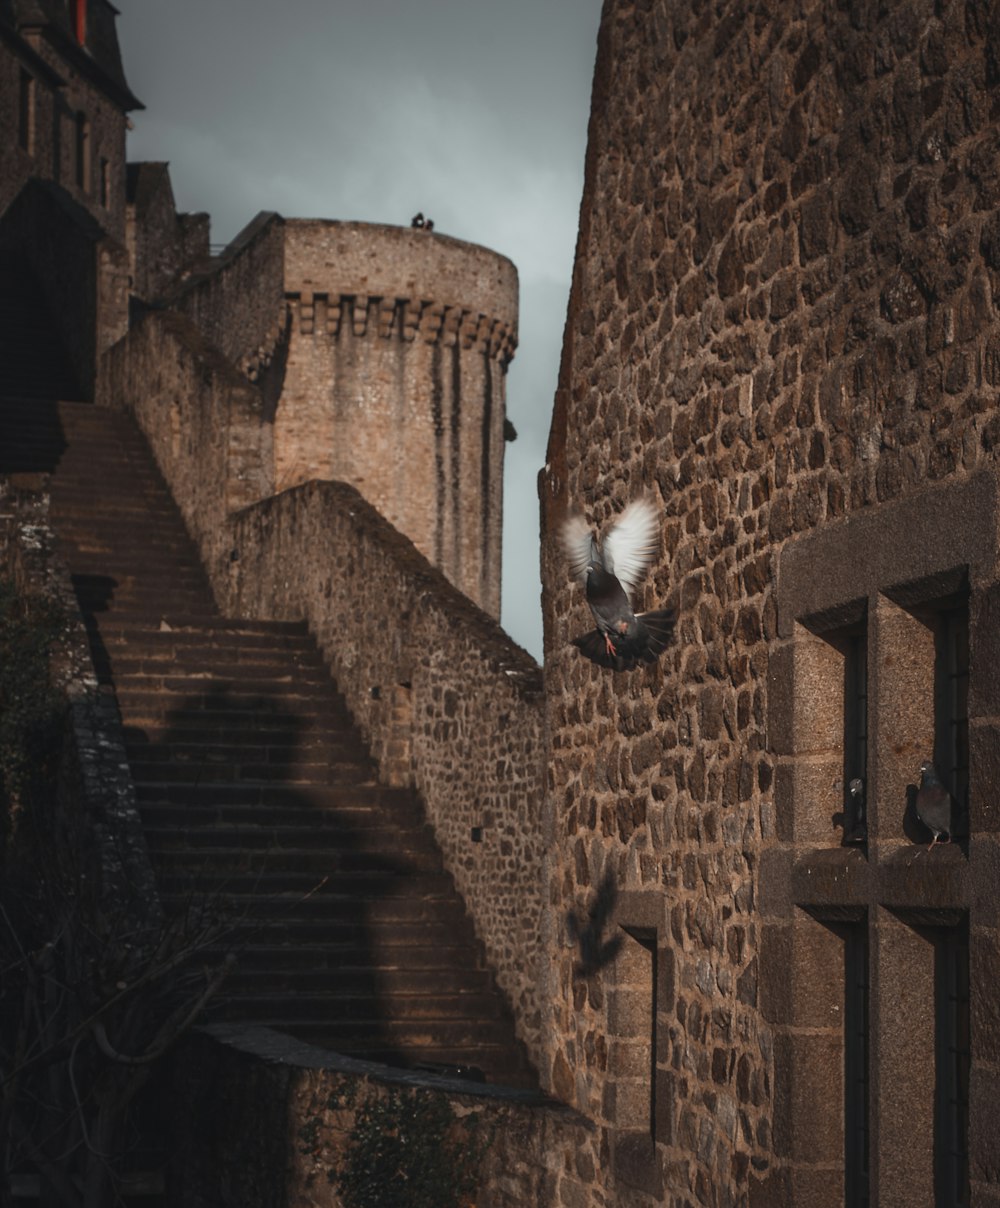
x=856, y=1179
x=951, y=1130
x=951, y=753
x=855, y=728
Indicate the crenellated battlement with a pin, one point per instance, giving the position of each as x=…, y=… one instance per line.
x=404, y=318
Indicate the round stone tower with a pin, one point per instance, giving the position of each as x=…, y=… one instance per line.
x=395, y=382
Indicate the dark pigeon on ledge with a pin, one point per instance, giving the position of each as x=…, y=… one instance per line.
x=934, y=804
x=612, y=570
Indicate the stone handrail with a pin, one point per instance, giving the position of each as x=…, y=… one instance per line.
x=446, y=700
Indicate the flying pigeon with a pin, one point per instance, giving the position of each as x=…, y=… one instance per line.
x=934, y=804
x=612, y=570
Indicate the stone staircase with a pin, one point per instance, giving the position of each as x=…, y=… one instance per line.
x=259, y=800
x=258, y=797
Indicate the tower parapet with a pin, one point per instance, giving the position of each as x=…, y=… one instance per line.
x=395, y=382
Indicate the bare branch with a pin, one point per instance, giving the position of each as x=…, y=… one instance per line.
x=171, y=1029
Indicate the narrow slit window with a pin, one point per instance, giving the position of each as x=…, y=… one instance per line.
x=951, y=707
x=951, y=1125
x=82, y=152
x=856, y=1090
x=855, y=647
x=26, y=113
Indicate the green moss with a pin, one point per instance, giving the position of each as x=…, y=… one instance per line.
x=409, y=1150
x=30, y=708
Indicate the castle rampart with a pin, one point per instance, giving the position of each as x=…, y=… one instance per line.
x=396, y=380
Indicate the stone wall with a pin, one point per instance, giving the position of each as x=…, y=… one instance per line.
x=23, y=69
x=164, y=246
x=96, y=811
x=263, y=1119
x=782, y=314
x=203, y=420
x=92, y=174
x=238, y=304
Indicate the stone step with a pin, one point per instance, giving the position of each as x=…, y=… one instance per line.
x=322, y=999
x=178, y=886
x=164, y=719
x=304, y=966
x=227, y=658
x=209, y=690
x=399, y=920
x=326, y=830
x=291, y=771
x=350, y=818
x=314, y=861
x=272, y=796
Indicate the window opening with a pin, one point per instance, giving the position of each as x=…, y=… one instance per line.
x=640, y=961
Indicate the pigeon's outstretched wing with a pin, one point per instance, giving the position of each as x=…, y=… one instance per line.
x=632, y=542
x=578, y=541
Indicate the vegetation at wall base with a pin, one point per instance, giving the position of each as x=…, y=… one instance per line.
x=31, y=712
x=408, y=1149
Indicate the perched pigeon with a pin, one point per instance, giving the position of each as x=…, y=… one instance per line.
x=934, y=804
x=858, y=832
x=612, y=569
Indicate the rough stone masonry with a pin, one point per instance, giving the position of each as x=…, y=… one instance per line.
x=782, y=315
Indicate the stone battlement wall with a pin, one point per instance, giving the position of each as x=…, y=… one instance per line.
x=368, y=260
x=238, y=304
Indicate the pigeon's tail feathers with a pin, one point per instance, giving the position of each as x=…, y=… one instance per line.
x=652, y=634
x=594, y=647
x=632, y=542
x=659, y=629
x=578, y=541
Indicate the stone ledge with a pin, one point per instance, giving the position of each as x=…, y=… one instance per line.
x=281, y=1049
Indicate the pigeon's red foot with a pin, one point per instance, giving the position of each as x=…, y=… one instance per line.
x=610, y=646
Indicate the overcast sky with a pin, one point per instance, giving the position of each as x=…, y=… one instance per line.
x=472, y=111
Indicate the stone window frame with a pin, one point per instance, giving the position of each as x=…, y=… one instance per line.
x=884, y=563
x=638, y=1090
